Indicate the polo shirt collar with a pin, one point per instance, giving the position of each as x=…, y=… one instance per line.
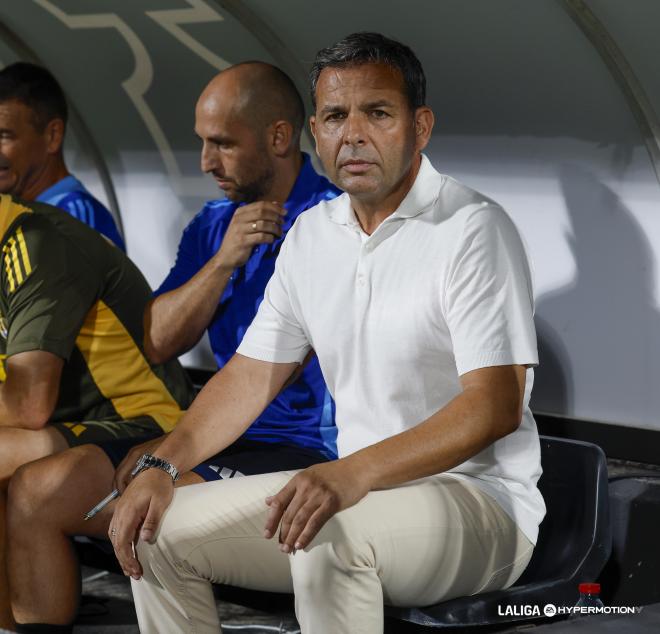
x=423, y=193
x=304, y=188
x=419, y=198
x=64, y=186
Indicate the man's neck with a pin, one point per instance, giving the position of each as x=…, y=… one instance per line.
x=285, y=178
x=53, y=172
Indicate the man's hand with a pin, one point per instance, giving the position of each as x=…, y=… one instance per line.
x=311, y=498
x=123, y=475
x=140, y=508
x=251, y=225
x=175, y=321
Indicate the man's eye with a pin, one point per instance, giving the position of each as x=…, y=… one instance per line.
x=379, y=114
x=336, y=116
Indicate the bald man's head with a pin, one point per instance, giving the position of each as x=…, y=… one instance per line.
x=249, y=119
x=259, y=94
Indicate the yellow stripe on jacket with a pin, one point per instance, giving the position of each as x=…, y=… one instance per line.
x=121, y=372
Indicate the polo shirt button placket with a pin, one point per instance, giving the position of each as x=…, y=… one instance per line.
x=363, y=269
x=359, y=277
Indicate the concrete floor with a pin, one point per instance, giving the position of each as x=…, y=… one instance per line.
x=108, y=609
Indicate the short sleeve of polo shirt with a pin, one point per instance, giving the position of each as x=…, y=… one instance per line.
x=188, y=257
x=48, y=290
x=275, y=334
x=488, y=298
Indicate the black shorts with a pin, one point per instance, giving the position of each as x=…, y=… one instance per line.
x=100, y=432
x=244, y=457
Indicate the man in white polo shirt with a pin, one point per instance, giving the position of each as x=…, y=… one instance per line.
x=415, y=293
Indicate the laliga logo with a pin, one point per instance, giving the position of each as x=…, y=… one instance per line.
x=589, y=603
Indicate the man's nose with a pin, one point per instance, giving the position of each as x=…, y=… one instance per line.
x=354, y=129
x=209, y=159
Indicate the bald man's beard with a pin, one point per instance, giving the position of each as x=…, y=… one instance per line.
x=256, y=188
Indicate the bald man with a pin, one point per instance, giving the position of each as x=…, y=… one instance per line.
x=249, y=119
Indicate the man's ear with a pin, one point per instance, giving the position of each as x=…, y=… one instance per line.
x=424, y=121
x=54, y=135
x=281, y=137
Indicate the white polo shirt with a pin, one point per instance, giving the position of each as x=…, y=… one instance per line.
x=440, y=288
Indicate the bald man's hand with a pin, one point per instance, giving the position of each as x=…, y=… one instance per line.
x=251, y=225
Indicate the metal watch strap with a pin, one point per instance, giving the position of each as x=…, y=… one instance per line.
x=147, y=461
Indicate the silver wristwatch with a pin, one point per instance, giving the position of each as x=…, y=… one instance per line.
x=147, y=461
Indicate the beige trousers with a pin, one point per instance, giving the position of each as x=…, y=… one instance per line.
x=414, y=545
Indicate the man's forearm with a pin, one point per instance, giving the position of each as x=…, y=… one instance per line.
x=5, y=413
x=175, y=321
x=223, y=410
x=31, y=389
x=469, y=423
x=12, y=415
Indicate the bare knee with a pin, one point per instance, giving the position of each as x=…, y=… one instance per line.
x=24, y=490
x=21, y=446
x=28, y=493
x=54, y=490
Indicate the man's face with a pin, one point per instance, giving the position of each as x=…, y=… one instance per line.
x=23, y=149
x=233, y=152
x=365, y=130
